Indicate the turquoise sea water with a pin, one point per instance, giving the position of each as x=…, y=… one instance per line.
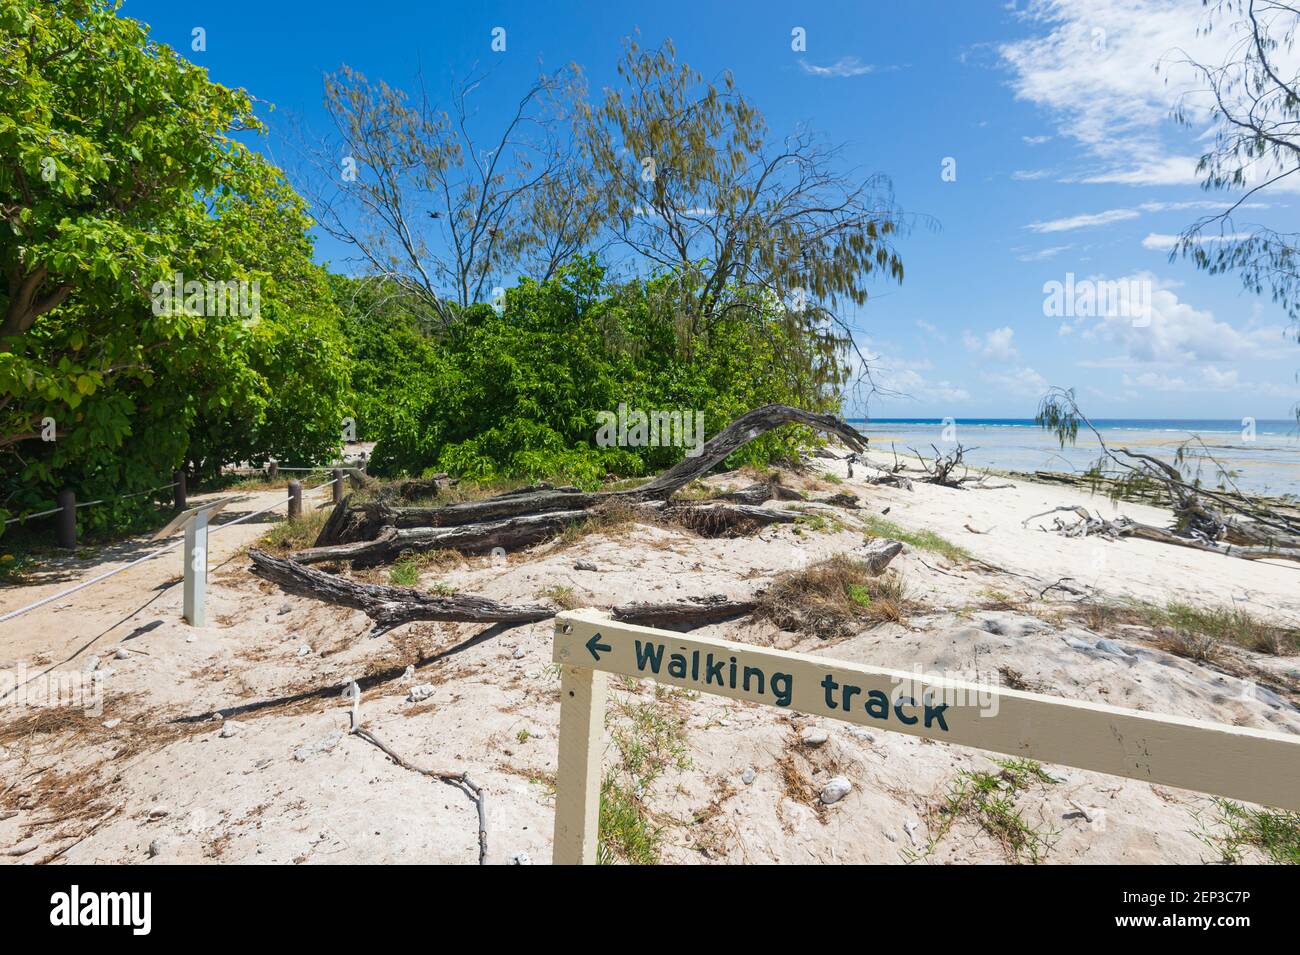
x=1267, y=462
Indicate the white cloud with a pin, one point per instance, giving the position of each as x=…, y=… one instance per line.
x=1046, y=253
x=1165, y=243
x=931, y=330
x=1208, y=378
x=844, y=66
x=899, y=376
x=1035, y=140
x=1084, y=221
x=1018, y=381
x=1090, y=219
x=1177, y=334
x=995, y=345
x=1092, y=66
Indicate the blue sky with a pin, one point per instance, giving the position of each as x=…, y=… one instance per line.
x=1065, y=159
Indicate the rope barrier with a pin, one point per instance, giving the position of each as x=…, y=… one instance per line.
x=161, y=487
x=30, y=517
x=105, y=500
x=140, y=560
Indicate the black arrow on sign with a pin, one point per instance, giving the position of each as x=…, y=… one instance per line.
x=593, y=646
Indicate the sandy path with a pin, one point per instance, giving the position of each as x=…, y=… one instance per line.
x=68, y=626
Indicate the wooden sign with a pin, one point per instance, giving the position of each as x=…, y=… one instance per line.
x=194, y=557
x=1252, y=765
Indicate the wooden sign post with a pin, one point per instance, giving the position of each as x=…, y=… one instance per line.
x=194, y=557
x=1252, y=765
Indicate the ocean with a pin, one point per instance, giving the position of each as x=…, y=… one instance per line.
x=1265, y=462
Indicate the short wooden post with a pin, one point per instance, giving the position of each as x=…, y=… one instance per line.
x=65, y=521
x=577, y=783
x=338, y=485
x=295, y=499
x=273, y=470
x=178, y=498
x=195, y=584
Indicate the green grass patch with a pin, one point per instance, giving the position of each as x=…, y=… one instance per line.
x=988, y=800
x=1194, y=632
x=650, y=737
x=404, y=573
x=925, y=540
x=296, y=533
x=1233, y=828
x=1232, y=625
x=562, y=597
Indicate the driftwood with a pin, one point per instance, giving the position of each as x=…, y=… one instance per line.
x=459, y=779
x=1094, y=525
x=391, y=607
x=879, y=553
x=365, y=521
x=387, y=606
x=754, y=495
x=842, y=499
x=712, y=519
x=1222, y=520
x=687, y=614
x=891, y=479
x=390, y=542
x=382, y=529
x=718, y=519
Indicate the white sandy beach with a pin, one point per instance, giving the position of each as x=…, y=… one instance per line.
x=130, y=784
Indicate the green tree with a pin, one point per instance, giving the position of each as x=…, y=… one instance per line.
x=697, y=186
x=120, y=169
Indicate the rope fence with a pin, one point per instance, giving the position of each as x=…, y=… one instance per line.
x=66, y=529
x=289, y=499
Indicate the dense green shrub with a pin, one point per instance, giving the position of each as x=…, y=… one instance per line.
x=518, y=394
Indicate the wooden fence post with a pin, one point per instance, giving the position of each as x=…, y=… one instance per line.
x=338, y=485
x=65, y=521
x=273, y=470
x=179, y=496
x=195, y=585
x=577, y=789
x=295, y=499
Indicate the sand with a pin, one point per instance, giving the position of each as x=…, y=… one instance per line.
x=152, y=779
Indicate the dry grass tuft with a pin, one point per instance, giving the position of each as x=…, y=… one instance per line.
x=834, y=598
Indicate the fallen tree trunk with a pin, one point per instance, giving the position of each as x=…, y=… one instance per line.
x=1089, y=525
x=367, y=520
x=391, y=607
x=514, y=533
x=1244, y=551
x=714, y=520
x=755, y=494
x=687, y=614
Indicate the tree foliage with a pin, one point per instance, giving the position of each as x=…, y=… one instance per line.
x=121, y=168
x=1254, y=111
x=518, y=393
